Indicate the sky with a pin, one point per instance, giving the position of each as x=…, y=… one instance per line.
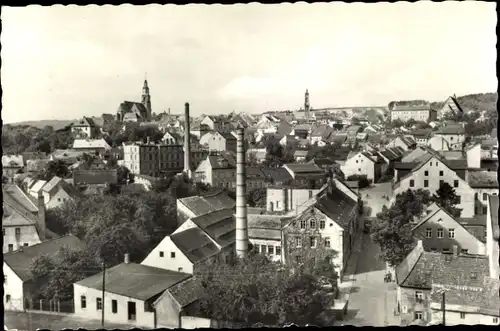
x=64, y=62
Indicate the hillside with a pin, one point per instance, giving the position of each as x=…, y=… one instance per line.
x=475, y=102
x=56, y=124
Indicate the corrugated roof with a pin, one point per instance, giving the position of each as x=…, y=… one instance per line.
x=187, y=291
x=135, y=280
x=19, y=261
x=195, y=244
x=220, y=225
x=201, y=205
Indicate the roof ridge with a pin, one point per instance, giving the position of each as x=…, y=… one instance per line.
x=40, y=243
x=422, y=251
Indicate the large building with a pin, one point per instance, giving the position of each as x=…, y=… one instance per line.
x=130, y=111
x=420, y=113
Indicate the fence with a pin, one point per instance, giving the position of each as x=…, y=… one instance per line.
x=50, y=305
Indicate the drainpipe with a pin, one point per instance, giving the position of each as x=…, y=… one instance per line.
x=180, y=318
x=155, y=320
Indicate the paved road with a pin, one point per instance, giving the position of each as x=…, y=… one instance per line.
x=372, y=301
x=374, y=197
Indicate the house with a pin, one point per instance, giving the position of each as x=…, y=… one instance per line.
x=265, y=234
x=440, y=231
x=153, y=159
x=36, y=188
x=255, y=178
x=306, y=174
x=199, y=130
x=418, y=272
x=300, y=155
x=130, y=291
x=492, y=235
x=320, y=134
x=68, y=156
x=197, y=241
x=404, y=142
x=485, y=184
x=277, y=176
x=453, y=134
x=302, y=131
x=438, y=143
x=257, y=155
x=465, y=305
x=94, y=177
x=325, y=163
x=221, y=141
x=217, y=171
x=93, y=146
x=421, y=136
x=11, y=165
x=429, y=172
x=84, y=128
x=195, y=206
x=289, y=197
x=363, y=163
x=21, y=289
x=419, y=113
x=23, y=220
x=451, y=105
x=61, y=193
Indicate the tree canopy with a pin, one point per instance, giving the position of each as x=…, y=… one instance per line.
x=18, y=139
x=446, y=197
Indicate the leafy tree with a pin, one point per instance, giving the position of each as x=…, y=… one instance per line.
x=54, y=168
x=257, y=197
x=257, y=290
x=392, y=230
x=447, y=199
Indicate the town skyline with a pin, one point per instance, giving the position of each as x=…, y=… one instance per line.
x=224, y=61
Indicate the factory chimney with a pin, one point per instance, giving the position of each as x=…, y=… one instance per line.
x=187, y=147
x=241, y=203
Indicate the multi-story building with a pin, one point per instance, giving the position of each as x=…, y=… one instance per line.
x=217, y=171
x=221, y=142
x=11, y=165
x=453, y=134
x=420, y=113
x=153, y=159
x=84, y=129
x=363, y=163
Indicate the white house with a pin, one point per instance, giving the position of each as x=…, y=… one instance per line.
x=195, y=206
x=19, y=285
x=197, y=240
x=217, y=171
x=438, y=143
x=361, y=163
x=130, y=292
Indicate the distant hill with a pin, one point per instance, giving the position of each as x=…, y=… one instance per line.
x=56, y=124
x=474, y=102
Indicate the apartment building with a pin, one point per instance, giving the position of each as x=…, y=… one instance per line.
x=153, y=159
x=420, y=113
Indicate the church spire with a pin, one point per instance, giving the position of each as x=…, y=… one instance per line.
x=306, y=104
x=146, y=97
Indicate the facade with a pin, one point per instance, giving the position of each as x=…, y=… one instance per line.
x=91, y=146
x=85, y=129
x=195, y=206
x=11, y=165
x=421, y=136
x=222, y=141
x=451, y=105
x=362, y=163
x=136, y=111
x=422, y=113
x=217, y=171
x=440, y=231
x=454, y=135
x=286, y=198
x=153, y=159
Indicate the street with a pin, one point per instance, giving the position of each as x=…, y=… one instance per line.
x=372, y=301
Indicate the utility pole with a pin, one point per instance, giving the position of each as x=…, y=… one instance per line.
x=443, y=307
x=103, y=291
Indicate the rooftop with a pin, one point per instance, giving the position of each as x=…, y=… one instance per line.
x=19, y=261
x=337, y=206
x=219, y=225
x=483, y=179
x=12, y=161
x=135, y=280
x=201, y=205
x=187, y=291
x=195, y=244
x=302, y=168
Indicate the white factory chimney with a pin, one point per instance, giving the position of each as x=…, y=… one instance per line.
x=187, y=147
x=241, y=203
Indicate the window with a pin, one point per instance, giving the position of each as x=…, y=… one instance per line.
x=419, y=296
x=440, y=233
x=441, y=182
x=431, y=164
x=303, y=224
x=426, y=183
x=263, y=249
x=98, y=303
x=270, y=250
x=426, y=173
x=83, y=301
x=428, y=233
x=7, y=298
x=179, y=269
x=418, y=315
x=114, y=306
x=313, y=242
x=327, y=242
x=465, y=251
x=459, y=199
x=321, y=224
x=11, y=247
x=161, y=254
x=485, y=210
x=462, y=316
x=298, y=241
x=25, y=245
x=310, y=194
x=495, y=320
x=18, y=231
x=172, y=255
x=278, y=250
x=312, y=223
x=412, y=183
x=451, y=233
x=357, y=161
x=446, y=250
x=455, y=183
x=485, y=196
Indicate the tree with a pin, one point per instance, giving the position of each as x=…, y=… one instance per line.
x=447, y=199
x=258, y=290
x=54, y=168
x=257, y=197
x=392, y=229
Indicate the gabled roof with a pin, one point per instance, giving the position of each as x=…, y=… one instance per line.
x=421, y=133
x=195, y=244
x=19, y=261
x=52, y=184
x=12, y=161
x=126, y=107
x=90, y=143
x=187, y=291
x=336, y=205
x=226, y=135
x=201, y=205
x=85, y=121
x=18, y=200
x=452, y=129
x=305, y=168
x=221, y=162
x=220, y=225
x=38, y=186
x=278, y=175
x=134, y=280
x=265, y=226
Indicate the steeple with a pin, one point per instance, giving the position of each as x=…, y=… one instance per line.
x=146, y=98
x=306, y=104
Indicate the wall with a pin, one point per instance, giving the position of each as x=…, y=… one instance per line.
x=258, y=242
x=283, y=199
x=191, y=322
x=225, y=178
x=183, y=213
x=463, y=238
x=452, y=139
x=474, y=157
x=167, y=311
x=203, y=173
x=406, y=115
x=437, y=143
x=59, y=198
x=492, y=247
x=166, y=262
x=452, y=316
x=406, y=297
x=359, y=165
x=143, y=319
x=433, y=166
x=13, y=286
x=29, y=235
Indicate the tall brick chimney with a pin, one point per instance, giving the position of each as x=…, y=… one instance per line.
x=41, y=215
x=241, y=203
x=187, y=146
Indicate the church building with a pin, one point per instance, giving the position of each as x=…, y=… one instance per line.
x=130, y=111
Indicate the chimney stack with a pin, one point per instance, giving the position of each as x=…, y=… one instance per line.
x=187, y=147
x=126, y=258
x=241, y=204
x=41, y=215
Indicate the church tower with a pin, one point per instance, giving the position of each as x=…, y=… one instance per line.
x=306, y=104
x=146, y=99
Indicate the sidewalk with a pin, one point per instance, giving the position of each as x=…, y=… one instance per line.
x=348, y=278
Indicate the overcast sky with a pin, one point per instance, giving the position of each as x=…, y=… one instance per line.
x=65, y=62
